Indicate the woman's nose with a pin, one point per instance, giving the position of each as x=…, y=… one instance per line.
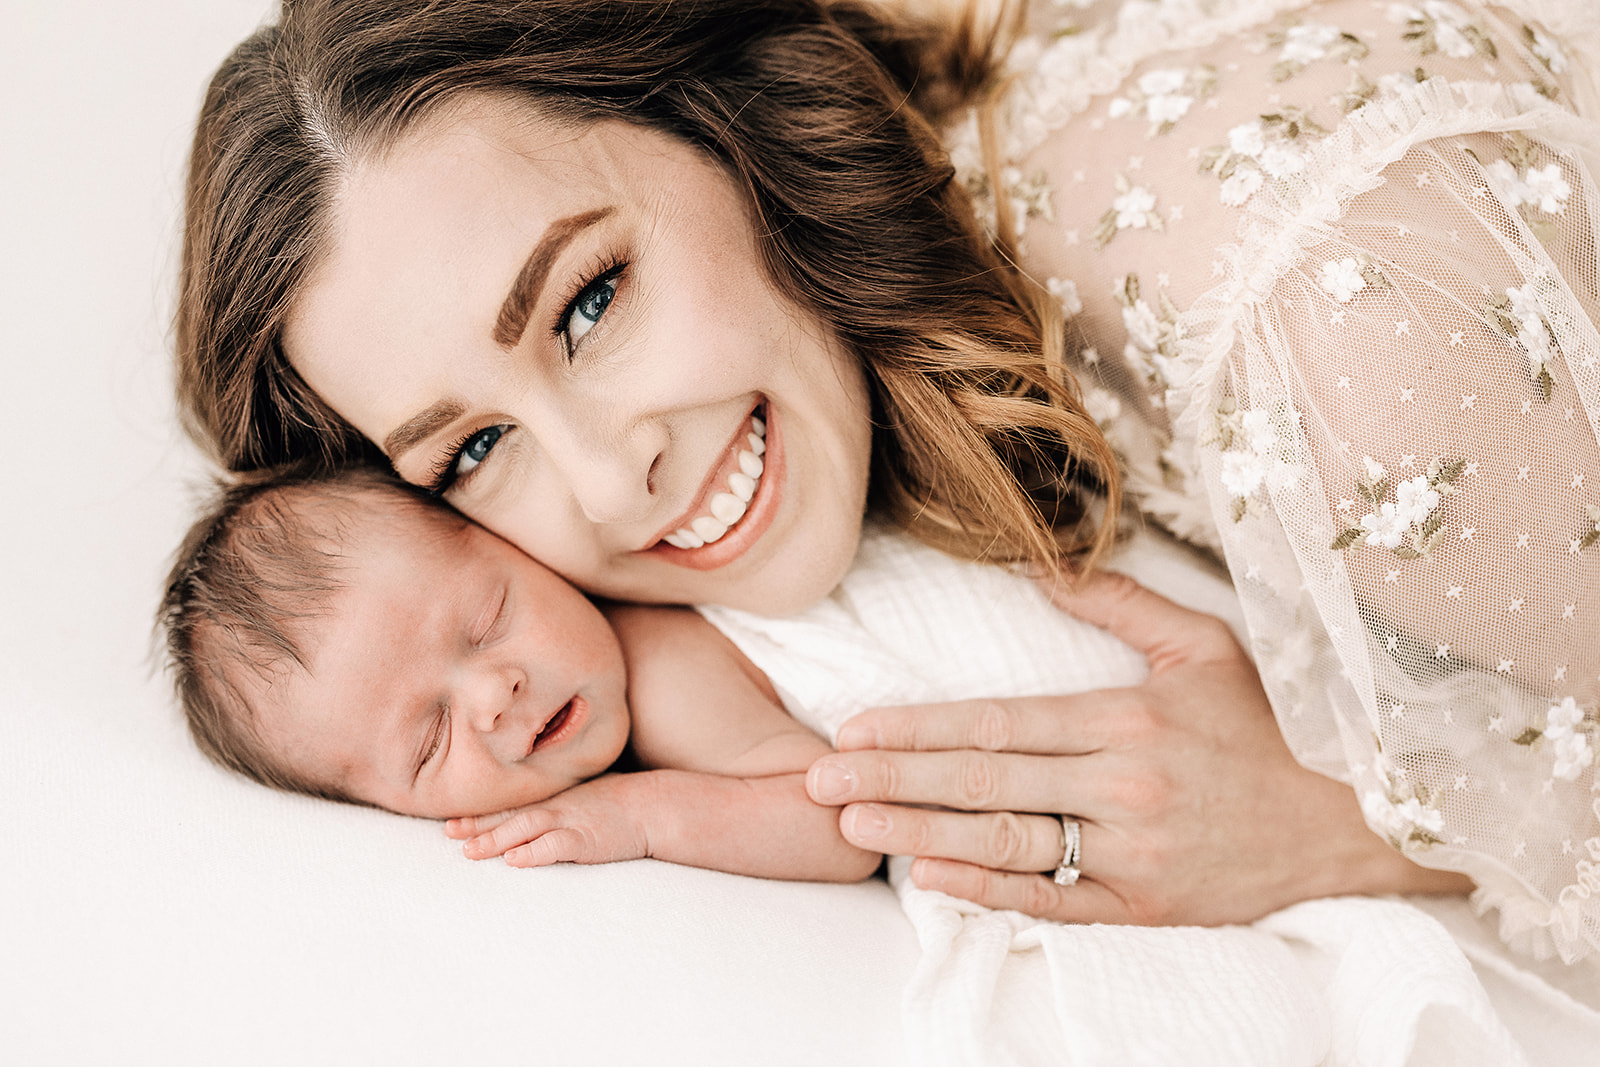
x=610, y=473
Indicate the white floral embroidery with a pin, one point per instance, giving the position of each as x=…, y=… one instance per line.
x=1542, y=187
x=1573, y=754
x=1102, y=405
x=1241, y=185
x=1245, y=469
x=1247, y=139
x=1413, y=504
x=1282, y=160
x=1065, y=290
x=1562, y=717
x=1261, y=148
x=1255, y=454
x=1440, y=26
x=1519, y=316
x=1533, y=335
x=1342, y=278
x=1547, y=188
x=1545, y=47
x=1134, y=208
x=1308, y=42
x=1573, y=751
x=1164, y=96
x=1153, y=335
x=1144, y=330
x=1304, y=43
x=1400, y=816
x=1411, y=524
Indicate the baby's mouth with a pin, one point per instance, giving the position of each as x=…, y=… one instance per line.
x=725, y=509
x=552, y=728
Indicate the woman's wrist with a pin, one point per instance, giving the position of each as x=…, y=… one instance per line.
x=1365, y=863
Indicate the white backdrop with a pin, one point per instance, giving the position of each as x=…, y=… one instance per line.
x=153, y=910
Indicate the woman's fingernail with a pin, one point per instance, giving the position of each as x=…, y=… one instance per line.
x=831, y=783
x=868, y=822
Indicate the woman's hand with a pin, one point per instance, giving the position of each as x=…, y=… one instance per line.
x=1193, y=810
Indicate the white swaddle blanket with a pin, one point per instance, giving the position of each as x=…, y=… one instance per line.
x=1348, y=981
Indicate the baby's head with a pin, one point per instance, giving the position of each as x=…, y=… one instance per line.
x=347, y=637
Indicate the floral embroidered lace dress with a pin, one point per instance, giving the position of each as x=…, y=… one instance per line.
x=1330, y=270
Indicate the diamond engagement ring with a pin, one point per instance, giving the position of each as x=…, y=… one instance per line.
x=1071, y=842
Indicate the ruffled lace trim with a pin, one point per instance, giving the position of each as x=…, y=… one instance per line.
x=1274, y=234
x=1276, y=230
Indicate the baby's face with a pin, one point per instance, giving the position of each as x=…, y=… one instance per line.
x=452, y=676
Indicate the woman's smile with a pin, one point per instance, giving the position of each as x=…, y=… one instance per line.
x=571, y=334
x=736, y=503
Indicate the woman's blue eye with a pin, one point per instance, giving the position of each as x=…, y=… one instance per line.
x=477, y=449
x=590, y=304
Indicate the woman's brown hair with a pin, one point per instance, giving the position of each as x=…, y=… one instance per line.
x=820, y=110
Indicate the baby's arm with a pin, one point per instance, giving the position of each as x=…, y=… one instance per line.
x=725, y=784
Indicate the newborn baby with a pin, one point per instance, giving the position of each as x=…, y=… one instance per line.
x=351, y=638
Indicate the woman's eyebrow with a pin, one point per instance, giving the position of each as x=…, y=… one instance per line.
x=420, y=427
x=524, y=294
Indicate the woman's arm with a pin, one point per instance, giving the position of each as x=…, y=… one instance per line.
x=1193, y=809
x=725, y=784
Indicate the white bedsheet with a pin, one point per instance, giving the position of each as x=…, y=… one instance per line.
x=154, y=910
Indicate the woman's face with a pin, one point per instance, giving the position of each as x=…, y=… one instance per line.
x=570, y=333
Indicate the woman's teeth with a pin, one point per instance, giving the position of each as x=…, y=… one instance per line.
x=728, y=508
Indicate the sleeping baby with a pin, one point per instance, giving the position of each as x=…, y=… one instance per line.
x=351, y=638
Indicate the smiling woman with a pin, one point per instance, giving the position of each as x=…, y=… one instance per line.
x=572, y=337
x=564, y=285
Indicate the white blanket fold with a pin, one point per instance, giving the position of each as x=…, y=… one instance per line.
x=1348, y=982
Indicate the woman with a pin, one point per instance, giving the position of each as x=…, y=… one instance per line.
x=549, y=259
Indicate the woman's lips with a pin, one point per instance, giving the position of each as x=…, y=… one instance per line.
x=561, y=725
x=726, y=523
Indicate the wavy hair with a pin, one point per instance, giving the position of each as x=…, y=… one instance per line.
x=822, y=111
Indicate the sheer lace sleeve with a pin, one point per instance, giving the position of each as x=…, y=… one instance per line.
x=1338, y=304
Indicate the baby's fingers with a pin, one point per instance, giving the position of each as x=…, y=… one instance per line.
x=473, y=825
x=518, y=828
x=565, y=844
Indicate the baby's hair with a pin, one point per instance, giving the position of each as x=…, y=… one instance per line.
x=256, y=570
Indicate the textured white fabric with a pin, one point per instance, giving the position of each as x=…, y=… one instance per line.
x=1347, y=982
x=1332, y=271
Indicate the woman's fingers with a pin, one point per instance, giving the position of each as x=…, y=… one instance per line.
x=965, y=779
x=1001, y=840
x=1055, y=725
x=1087, y=901
x=1165, y=632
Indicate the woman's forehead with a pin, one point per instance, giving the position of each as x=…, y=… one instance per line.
x=427, y=238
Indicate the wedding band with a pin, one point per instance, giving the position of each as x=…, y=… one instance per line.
x=1071, y=844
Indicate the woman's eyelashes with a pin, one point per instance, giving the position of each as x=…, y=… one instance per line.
x=580, y=314
x=583, y=312
x=464, y=456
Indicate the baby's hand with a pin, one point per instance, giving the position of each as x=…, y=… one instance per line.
x=598, y=821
